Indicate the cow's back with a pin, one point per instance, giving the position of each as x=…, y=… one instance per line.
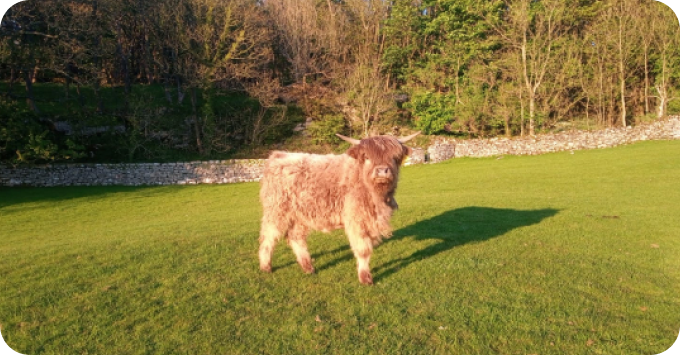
x=305, y=188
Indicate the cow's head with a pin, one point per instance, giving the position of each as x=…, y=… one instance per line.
x=380, y=158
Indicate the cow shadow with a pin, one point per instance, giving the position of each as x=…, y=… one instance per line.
x=24, y=199
x=344, y=250
x=457, y=227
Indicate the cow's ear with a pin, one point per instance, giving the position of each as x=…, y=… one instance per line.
x=407, y=150
x=357, y=152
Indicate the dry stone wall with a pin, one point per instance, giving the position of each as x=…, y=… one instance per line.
x=444, y=149
x=198, y=172
x=230, y=171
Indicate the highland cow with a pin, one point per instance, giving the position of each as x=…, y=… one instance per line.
x=355, y=191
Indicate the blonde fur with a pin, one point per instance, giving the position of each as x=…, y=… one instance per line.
x=355, y=191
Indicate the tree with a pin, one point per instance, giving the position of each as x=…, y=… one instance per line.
x=364, y=92
x=534, y=32
x=431, y=47
x=366, y=100
x=667, y=67
x=618, y=21
x=222, y=42
x=26, y=45
x=300, y=32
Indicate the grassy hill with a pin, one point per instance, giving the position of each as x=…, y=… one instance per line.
x=553, y=254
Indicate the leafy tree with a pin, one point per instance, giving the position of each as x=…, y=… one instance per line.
x=433, y=47
x=433, y=111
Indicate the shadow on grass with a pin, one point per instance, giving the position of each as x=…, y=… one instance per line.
x=347, y=255
x=458, y=227
x=14, y=197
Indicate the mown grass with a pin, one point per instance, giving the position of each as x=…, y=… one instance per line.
x=554, y=254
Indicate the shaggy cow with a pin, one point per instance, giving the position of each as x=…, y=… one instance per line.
x=355, y=191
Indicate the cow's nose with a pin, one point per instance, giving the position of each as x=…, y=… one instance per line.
x=382, y=172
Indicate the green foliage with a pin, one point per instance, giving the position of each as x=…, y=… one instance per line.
x=402, y=31
x=434, y=44
x=324, y=130
x=281, y=120
x=24, y=140
x=432, y=110
x=674, y=107
x=93, y=60
x=148, y=127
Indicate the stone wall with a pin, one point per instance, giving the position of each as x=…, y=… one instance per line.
x=230, y=171
x=198, y=172
x=418, y=156
x=444, y=149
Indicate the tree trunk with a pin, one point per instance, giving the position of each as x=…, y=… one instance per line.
x=661, y=89
x=458, y=101
x=28, y=79
x=622, y=88
x=166, y=87
x=35, y=74
x=521, y=114
x=532, y=112
x=506, y=122
x=661, y=110
x=180, y=94
x=197, y=126
x=646, y=82
x=587, y=108
x=622, y=76
x=124, y=68
x=96, y=59
x=12, y=79
x=527, y=82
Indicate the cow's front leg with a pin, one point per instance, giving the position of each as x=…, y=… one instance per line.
x=269, y=235
x=362, y=248
x=297, y=239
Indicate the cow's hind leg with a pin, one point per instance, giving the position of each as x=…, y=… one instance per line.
x=269, y=235
x=362, y=247
x=297, y=239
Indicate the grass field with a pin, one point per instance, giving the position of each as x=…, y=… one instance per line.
x=554, y=254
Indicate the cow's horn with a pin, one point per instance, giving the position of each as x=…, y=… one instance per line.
x=406, y=139
x=348, y=139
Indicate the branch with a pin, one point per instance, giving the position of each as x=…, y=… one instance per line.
x=23, y=32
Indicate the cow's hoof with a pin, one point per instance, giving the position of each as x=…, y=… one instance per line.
x=307, y=267
x=365, y=278
x=266, y=268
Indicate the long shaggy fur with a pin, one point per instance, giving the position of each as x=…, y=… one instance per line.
x=355, y=191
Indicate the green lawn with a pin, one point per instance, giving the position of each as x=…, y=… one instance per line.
x=554, y=254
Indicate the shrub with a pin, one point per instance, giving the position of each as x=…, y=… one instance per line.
x=24, y=139
x=324, y=131
x=432, y=110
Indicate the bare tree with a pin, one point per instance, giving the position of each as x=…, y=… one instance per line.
x=366, y=100
x=223, y=41
x=366, y=97
x=532, y=30
x=667, y=44
x=641, y=17
x=297, y=26
x=618, y=20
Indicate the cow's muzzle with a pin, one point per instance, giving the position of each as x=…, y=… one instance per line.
x=382, y=174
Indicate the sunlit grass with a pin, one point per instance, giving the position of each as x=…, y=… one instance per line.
x=554, y=254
